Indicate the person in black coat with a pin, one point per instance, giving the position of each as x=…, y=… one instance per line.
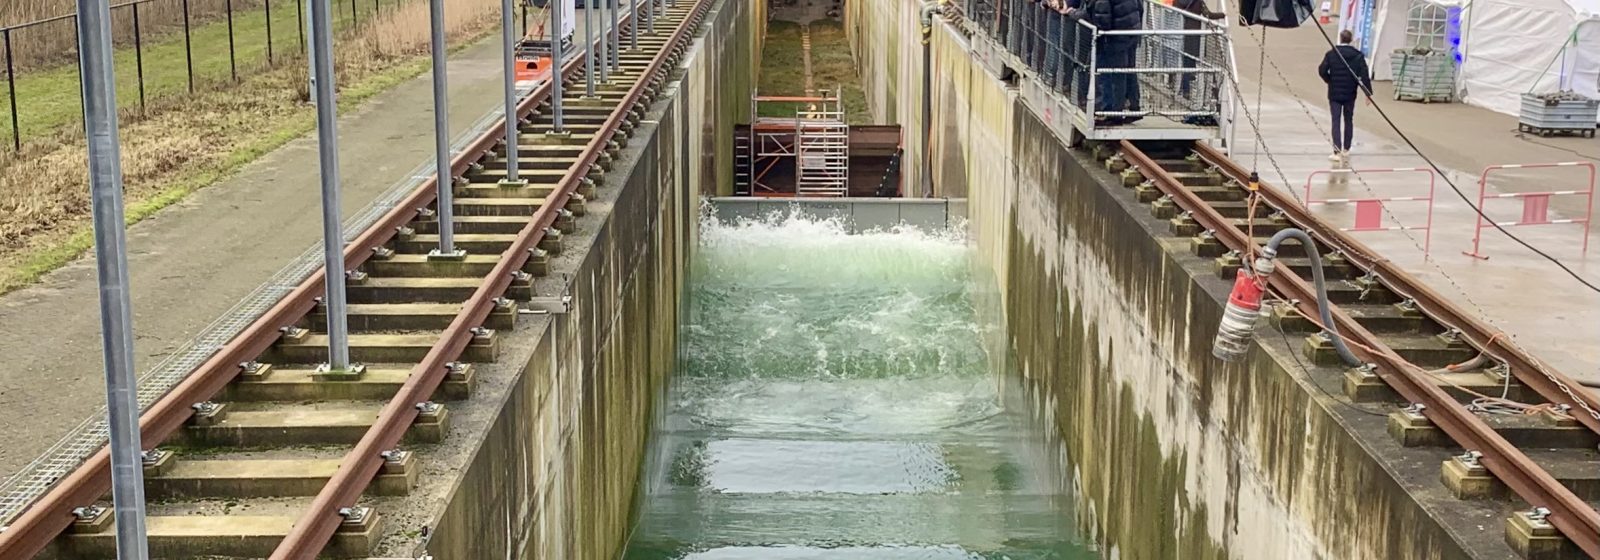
x=1115, y=92
x=1344, y=69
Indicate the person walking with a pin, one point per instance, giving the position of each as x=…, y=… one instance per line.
x=1344, y=69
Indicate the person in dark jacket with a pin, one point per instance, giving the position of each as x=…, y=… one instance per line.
x=1120, y=91
x=1344, y=69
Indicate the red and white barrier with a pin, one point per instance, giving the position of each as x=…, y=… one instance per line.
x=1535, y=205
x=1369, y=211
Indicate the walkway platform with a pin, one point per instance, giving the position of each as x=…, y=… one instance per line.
x=1540, y=307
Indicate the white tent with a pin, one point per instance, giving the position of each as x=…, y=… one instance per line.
x=1508, y=47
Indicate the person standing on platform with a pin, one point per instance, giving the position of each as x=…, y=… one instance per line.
x=1344, y=69
x=1115, y=92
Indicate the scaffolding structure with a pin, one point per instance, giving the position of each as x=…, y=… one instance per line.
x=816, y=140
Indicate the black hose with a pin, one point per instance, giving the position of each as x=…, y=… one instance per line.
x=1324, y=308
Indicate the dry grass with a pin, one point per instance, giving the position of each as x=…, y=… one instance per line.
x=187, y=143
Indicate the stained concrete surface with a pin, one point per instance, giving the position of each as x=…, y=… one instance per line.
x=1540, y=308
x=192, y=262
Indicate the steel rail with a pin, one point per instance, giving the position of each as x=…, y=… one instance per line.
x=314, y=529
x=1569, y=514
x=46, y=518
x=1531, y=371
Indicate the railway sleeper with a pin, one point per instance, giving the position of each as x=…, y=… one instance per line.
x=176, y=535
x=1429, y=351
x=1526, y=431
x=1364, y=386
x=274, y=425
x=200, y=476
x=303, y=384
x=449, y=290
x=377, y=348
x=430, y=316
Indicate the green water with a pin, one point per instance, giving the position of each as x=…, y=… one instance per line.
x=834, y=403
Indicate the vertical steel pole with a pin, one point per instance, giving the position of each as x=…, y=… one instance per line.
x=615, y=33
x=509, y=37
x=111, y=261
x=266, y=9
x=588, y=48
x=650, y=15
x=138, y=54
x=188, y=45
x=557, y=61
x=328, y=148
x=233, y=62
x=11, y=92
x=605, y=43
x=311, y=54
x=441, y=135
x=633, y=24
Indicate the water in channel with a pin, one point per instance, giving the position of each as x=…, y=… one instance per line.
x=834, y=402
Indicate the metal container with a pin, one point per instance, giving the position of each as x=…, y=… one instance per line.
x=1562, y=113
x=1428, y=78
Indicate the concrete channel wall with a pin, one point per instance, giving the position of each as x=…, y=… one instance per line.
x=1108, y=320
x=552, y=472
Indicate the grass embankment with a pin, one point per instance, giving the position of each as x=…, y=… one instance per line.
x=832, y=67
x=186, y=142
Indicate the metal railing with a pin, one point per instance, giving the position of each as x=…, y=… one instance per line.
x=162, y=48
x=1176, y=66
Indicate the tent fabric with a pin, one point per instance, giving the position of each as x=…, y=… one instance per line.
x=1510, y=47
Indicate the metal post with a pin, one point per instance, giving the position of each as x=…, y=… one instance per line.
x=311, y=55
x=111, y=261
x=557, y=62
x=633, y=24
x=650, y=15
x=138, y=54
x=266, y=9
x=605, y=45
x=509, y=38
x=615, y=33
x=441, y=136
x=233, y=62
x=188, y=46
x=11, y=92
x=588, y=49
x=328, y=148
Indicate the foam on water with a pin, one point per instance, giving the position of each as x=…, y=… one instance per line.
x=833, y=402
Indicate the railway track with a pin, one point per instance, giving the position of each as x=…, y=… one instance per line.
x=256, y=454
x=1537, y=466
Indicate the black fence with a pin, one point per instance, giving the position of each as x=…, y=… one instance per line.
x=162, y=48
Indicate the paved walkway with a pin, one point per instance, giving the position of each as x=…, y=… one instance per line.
x=1540, y=307
x=192, y=262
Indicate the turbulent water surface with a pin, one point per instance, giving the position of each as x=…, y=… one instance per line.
x=834, y=402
